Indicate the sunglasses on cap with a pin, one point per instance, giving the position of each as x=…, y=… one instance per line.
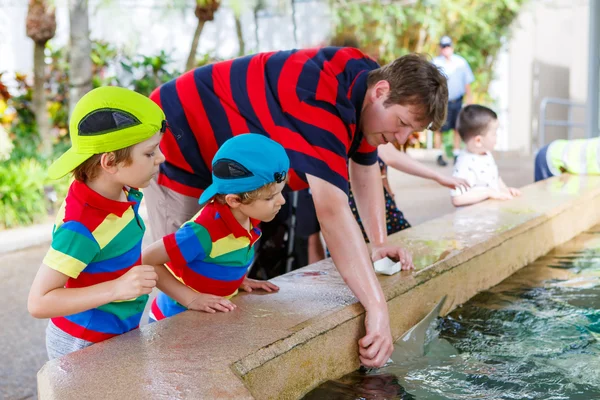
x=230, y=169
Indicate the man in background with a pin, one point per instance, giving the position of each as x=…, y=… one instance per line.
x=459, y=75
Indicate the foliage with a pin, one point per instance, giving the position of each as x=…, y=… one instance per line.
x=19, y=120
x=148, y=72
x=25, y=191
x=386, y=31
x=21, y=192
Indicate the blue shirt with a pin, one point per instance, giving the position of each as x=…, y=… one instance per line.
x=458, y=72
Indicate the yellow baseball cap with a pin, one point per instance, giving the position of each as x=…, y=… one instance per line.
x=107, y=119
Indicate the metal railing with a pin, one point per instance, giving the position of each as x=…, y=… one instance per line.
x=543, y=122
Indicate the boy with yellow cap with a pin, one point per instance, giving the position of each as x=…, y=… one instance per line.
x=91, y=282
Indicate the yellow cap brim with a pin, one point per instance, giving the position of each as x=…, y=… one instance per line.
x=66, y=163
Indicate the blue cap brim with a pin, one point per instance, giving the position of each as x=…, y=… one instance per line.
x=208, y=194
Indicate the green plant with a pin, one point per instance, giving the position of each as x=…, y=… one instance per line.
x=22, y=199
x=386, y=31
x=23, y=127
x=146, y=73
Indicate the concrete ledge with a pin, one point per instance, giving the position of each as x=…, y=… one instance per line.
x=280, y=346
x=22, y=238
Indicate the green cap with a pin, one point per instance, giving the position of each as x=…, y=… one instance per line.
x=107, y=119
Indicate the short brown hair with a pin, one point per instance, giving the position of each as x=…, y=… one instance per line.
x=473, y=120
x=89, y=169
x=249, y=197
x=414, y=80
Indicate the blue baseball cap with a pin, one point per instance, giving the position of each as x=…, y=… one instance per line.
x=245, y=163
x=445, y=41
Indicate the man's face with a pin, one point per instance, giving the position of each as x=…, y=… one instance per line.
x=383, y=124
x=446, y=51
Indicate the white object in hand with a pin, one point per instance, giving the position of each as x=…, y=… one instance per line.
x=386, y=266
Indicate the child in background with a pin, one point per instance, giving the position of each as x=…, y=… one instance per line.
x=209, y=256
x=477, y=126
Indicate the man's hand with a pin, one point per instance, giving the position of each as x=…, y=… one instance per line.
x=376, y=347
x=249, y=285
x=393, y=252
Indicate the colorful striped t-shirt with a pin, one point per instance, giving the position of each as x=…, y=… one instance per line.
x=96, y=240
x=210, y=254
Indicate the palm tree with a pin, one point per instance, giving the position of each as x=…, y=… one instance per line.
x=41, y=27
x=80, y=61
x=205, y=11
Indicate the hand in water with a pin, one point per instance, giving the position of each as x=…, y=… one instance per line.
x=376, y=347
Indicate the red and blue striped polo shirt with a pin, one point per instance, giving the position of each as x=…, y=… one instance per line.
x=210, y=254
x=96, y=240
x=309, y=101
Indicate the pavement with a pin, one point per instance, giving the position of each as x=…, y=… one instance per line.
x=22, y=337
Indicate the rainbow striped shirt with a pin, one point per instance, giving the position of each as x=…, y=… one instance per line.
x=210, y=254
x=96, y=240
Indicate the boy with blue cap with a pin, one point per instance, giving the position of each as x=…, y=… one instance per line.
x=208, y=258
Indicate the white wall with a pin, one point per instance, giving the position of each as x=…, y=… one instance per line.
x=146, y=27
x=555, y=33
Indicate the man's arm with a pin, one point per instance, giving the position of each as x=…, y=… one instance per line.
x=351, y=257
x=368, y=193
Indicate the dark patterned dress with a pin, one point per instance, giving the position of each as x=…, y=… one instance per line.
x=394, y=219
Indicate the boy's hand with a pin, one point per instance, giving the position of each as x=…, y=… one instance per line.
x=139, y=280
x=210, y=303
x=249, y=285
x=514, y=192
x=395, y=253
x=498, y=195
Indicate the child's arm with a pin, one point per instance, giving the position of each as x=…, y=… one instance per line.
x=403, y=162
x=510, y=190
x=248, y=285
x=48, y=298
x=156, y=254
x=477, y=196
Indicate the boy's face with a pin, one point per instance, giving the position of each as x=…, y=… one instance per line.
x=145, y=160
x=490, y=137
x=265, y=209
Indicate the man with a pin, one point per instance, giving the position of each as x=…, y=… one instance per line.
x=459, y=75
x=329, y=108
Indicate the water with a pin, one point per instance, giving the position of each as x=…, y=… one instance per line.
x=534, y=336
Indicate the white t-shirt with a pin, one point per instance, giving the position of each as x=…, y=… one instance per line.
x=480, y=170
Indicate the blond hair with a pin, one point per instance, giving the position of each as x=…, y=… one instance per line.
x=249, y=197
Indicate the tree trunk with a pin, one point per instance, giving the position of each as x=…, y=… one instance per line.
x=294, y=24
x=191, y=61
x=257, y=50
x=39, y=98
x=80, y=74
x=240, y=36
